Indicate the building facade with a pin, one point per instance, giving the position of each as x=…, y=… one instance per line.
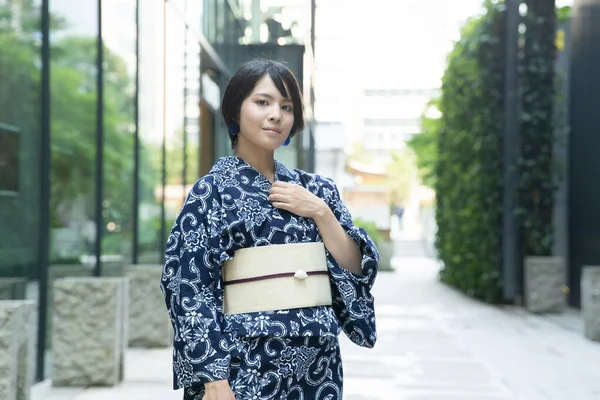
x=109, y=111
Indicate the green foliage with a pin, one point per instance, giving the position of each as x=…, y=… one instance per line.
x=469, y=162
x=371, y=228
x=424, y=145
x=176, y=158
x=563, y=14
x=537, y=183
x=401, y=174
x=469, y=166
x=73, y=120
x=359, y=153
x=384, y=247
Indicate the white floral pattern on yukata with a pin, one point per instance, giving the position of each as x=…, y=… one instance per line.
x=281, y=368
x=227, y=210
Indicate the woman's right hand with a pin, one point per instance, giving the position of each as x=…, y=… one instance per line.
x=218, y=390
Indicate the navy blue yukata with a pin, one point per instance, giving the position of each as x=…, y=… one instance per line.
x=279, y=355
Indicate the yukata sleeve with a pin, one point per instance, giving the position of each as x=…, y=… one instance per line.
x=353, y=302
x=190, y=284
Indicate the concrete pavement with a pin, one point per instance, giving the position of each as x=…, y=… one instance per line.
x=437, y=344
x=434, y=344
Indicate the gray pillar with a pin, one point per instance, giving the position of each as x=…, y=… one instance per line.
x=590, y=302
x=149, y=324
x=511, y=267
x=16, y=349
x=584, y=142
x=89, y=334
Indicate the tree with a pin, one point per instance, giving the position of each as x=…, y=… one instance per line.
x=360, y=154
x=401, y=176
x=563, y=14
x=424, y=145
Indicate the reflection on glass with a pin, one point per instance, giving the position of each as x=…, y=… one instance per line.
x=273, y=21
x=150, y=122
x=175, y=114
x=223, y=22
x=73, y=134
x=20, y=134
x=9, y=158
x=73, y=127
x=19, y=145
x=119, y=35
x=192, y=110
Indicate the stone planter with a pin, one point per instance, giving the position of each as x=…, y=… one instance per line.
x=60, y=271
x=16, y=349
x=149, y=324
x=590, y=302
x=545, y=284
x=89, y=334
x=386, y=252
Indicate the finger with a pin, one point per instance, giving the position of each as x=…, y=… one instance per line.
x=282, y=191
x=277, y=190
x=279, y=197
x=281, y=205
x=281, y=184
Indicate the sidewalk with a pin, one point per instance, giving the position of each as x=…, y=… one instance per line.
x=434, y=344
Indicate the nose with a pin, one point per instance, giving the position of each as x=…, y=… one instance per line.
x=275, y=115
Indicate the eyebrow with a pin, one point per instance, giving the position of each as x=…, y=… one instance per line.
x=271, y=97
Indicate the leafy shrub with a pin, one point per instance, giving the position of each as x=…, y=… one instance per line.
x=469, y=165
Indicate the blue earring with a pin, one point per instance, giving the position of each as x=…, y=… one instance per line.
x=287, y=141
x=234, y=128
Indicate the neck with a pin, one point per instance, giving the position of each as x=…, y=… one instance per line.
x=264, y=162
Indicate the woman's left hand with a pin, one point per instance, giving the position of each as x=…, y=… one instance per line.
x=296, y=199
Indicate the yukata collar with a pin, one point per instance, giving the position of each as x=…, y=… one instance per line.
x=282, y=173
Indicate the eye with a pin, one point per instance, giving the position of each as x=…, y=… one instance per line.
x=262, y=102
x=288, y=108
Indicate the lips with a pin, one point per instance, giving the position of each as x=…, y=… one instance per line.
x=274, y=130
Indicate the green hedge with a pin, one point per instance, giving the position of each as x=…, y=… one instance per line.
x=469, y=167
x=537, y=172
x=469, y=164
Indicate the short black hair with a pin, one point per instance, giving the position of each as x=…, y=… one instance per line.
x=243, y=82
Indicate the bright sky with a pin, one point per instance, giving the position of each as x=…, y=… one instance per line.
x=382, y=44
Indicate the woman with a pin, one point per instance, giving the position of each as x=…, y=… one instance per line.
x=248, y=201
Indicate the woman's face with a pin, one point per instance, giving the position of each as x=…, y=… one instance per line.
x=266, y=117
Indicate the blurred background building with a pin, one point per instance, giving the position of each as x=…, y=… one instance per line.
x=378, y=64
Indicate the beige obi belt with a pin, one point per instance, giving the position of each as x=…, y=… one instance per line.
x=276, y=277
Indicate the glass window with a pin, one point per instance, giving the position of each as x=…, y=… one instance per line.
x=19, y=145
x=175, y=94
x=192, y=110
x=150, y=126
x=73, y=133
x=272, y=21
x=119, y=35
x=20, y=141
